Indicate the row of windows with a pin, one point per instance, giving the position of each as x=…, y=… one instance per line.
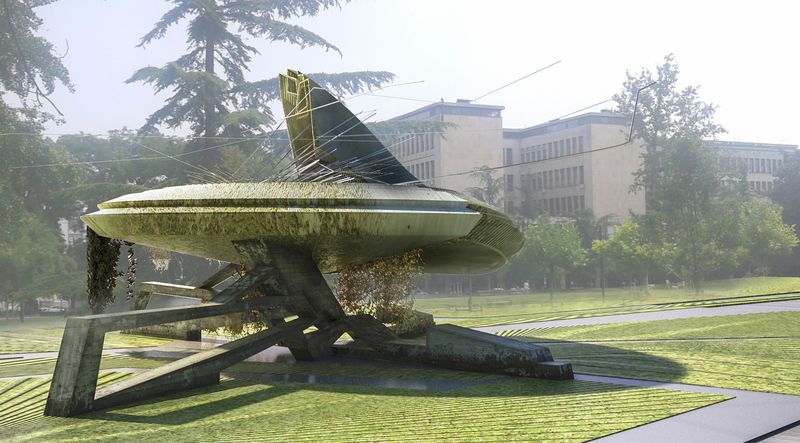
x=556, y=178
x=760, y=186
x=562, y=205
x=762, y=165
x=412, y=144
x=553, y=206
x=422, y=171
x=560, y=148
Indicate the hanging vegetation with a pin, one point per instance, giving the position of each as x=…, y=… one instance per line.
x=102, y=255
x=160, y=258
x=131, y=277
x=381, y=288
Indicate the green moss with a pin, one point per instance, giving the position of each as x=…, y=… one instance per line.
x=758, y=352
x=492, y=310
x=514, y=410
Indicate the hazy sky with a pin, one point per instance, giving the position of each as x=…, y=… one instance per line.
x=743, y=55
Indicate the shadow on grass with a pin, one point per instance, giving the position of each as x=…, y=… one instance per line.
x=260, y=384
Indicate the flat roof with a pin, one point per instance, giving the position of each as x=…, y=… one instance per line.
x=443, y=106
x=602, y=118
x=749, y=145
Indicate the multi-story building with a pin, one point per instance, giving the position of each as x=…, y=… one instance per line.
x=759, y=161
x=445, y=160
x=572, y=164
x=558, y=167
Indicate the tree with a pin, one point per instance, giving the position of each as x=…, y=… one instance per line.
x=29, y=71
x=688, y=206
x=764, y=234
x=631, y=247
x=28, y=66
x=491, y=188
x=553, y=249
x=32, y=250
x=591, y=228
x=222, y=102
x=785, y=194
x=666, y=115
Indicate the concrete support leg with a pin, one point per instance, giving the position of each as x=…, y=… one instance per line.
x=196, y=370
x=75, y=380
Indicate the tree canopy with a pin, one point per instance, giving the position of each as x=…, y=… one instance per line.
x=211, y=93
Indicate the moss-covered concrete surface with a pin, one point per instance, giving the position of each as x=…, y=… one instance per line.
x=246, y=410
x=337, y=224
x=756, y=352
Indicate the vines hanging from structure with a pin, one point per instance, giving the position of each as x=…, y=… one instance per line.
x=102, y=255
x=381, y=288
x=131, y=279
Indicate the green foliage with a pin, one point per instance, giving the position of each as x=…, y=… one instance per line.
x=695, y=214
x=223, y=102
x=412, y=323
x=553, y=249
x=125, y=158
x=381, y=288
x=632, y=248
x=491, y=188
x=102, y=255
x=785, y=194
x=28, y=66
x=764, y=234
x=30, y=250
x=666, y=113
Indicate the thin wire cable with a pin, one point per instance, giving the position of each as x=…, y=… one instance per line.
x=517, y=80
x=605, y=148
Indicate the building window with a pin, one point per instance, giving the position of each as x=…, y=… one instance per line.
x=509, y=182
x=580, y=144
x=580, y=174
x=508, y=157
x=583, y=205
x=561, y=151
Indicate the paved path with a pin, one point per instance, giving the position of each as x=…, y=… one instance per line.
x=776, y=306
x=747, y=416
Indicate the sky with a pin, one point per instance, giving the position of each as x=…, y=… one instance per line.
x=743, y=55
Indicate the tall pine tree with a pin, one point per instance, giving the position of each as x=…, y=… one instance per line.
x=210, y=92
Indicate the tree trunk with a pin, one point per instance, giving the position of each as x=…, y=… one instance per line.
x=208, y=159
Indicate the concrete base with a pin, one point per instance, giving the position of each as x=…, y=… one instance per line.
x=291, y=285
x=460, y=348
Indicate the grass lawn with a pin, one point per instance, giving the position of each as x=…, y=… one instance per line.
x=246, y=410
x=43, y=334
x=492, y=310
x=758, y=352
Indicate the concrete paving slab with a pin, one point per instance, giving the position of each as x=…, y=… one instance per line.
x=747, y=416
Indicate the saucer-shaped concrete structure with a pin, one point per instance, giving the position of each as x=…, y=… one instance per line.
x=336, y=224
x=346, y=200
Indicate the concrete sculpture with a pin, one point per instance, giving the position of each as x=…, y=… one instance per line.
x=346, y=200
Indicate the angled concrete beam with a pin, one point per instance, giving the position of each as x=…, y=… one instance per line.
x=219, y=276
x=196, y=370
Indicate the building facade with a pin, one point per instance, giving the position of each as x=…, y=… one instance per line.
x=758, y=162
x=558, y=167
x=446, y=160
x=567, y=165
